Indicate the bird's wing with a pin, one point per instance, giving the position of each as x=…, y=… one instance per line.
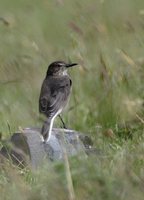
x=54, y=96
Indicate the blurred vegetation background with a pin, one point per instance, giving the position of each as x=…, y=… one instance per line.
x=106, y=38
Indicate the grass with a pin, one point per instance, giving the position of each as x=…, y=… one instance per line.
x=107, y=39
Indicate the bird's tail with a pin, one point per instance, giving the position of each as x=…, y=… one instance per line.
x=46, y=129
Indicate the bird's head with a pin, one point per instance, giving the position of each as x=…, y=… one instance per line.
x=59, y=68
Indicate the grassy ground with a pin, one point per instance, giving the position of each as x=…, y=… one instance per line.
x=107, y=39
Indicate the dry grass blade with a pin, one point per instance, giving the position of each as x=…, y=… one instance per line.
x=140, y=119
x=127, y=58
x=68, y=173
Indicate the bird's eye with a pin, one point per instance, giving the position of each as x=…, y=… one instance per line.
x=60, y=65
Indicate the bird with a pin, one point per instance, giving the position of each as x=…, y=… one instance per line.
x=54, y=95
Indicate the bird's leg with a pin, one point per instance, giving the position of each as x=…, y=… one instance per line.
x=64, y=126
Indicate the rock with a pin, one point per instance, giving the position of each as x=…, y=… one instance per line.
x=27, y=147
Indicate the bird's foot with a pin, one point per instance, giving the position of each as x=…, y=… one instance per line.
x=63, y=124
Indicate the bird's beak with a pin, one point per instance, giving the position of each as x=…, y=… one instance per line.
x=71, y=65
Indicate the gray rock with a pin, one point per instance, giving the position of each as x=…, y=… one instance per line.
x=28, y=148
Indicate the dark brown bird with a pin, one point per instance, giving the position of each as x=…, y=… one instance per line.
x=54, y=94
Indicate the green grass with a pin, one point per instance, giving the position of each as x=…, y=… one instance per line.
x=107, y=39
